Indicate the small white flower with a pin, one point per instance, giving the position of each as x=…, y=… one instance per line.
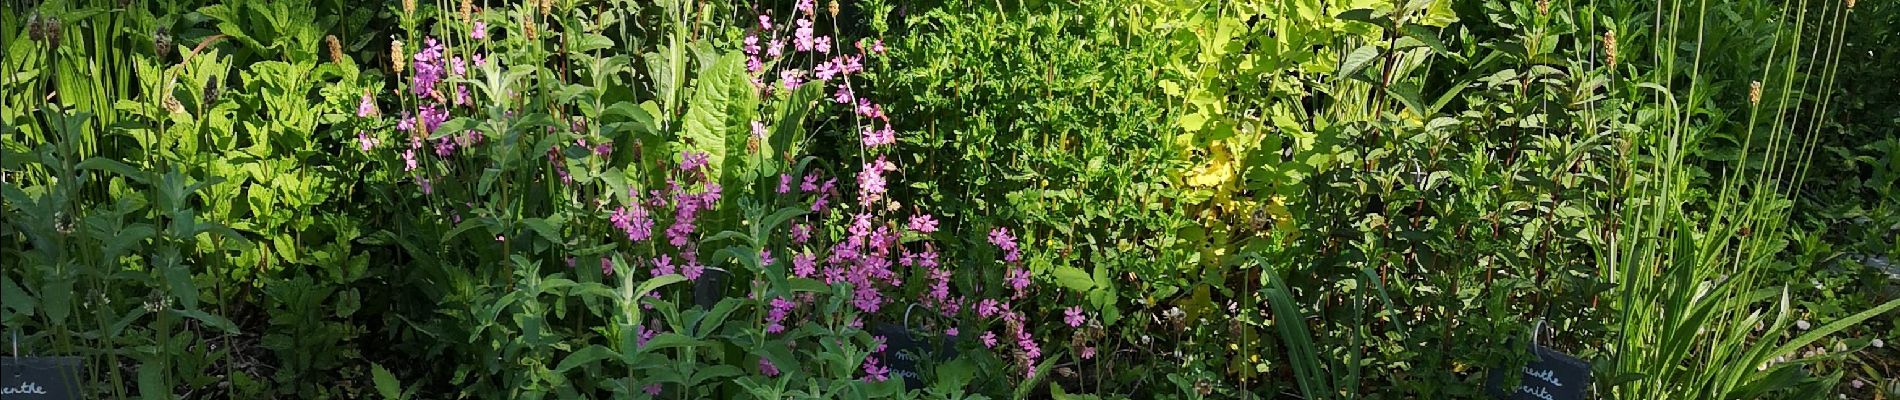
x=1858, y=383
x=1879, y=343
x=1802, y=324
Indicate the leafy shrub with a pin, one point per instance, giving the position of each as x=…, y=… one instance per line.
x=1334, y=199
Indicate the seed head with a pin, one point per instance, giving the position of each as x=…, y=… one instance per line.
x=1850, y=4
x=1609, y=47
x=833, y=8
x=1543, y=7
x=44, y=29
x=53, y=32
x=547, y=6
x=162, y=43
x=527, y=26
x=467, y=8
x=34, y=30
x=173, y=106
x=395, y=56
x=336, y=48
x=211, y=93
x=408, y=7
x=1754, y=93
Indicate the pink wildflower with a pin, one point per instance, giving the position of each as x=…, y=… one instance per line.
x=766, y=368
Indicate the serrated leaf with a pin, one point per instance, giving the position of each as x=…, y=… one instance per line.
x=1407, y=94
x=1350, y=65
x=386, y=383
x=178, y=278
x=1429, y=39
x=548, y=229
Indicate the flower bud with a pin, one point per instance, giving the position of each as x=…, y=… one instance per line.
x=1754, y=93
x=527, y=26
x=336, y=48
x=396, y=56
x=1609, y=47
x=162, y=43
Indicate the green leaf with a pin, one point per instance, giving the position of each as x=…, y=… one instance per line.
x=386, y=383
x=1365, y=15
x=954, y=375
x=590, y=42
x=1036, y=377
x=656, y=283
x=808, y=285
x=209, y=319
x=1429, y=39
x=152, y=383
x=586, y=355
x=453, y=127
x=116, y=167
x=1358, y=59
x=765, y=226
x=1832, y=327
x=464, y=227
x=1074, y=278
x=57, y=296
x=16, y=299
x=710, y=116
x=1407, y=93
x=634, y=115
x=178, y=280
x=788, y=128
x=548, y=229
x=671, y=340
x=711, y=321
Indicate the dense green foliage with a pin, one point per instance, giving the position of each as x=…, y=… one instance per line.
x=1071, y=199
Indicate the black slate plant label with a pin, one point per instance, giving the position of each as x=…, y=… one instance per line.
x=1550, y=375
x=904, y=354
x=710, y=288
x=35, y=378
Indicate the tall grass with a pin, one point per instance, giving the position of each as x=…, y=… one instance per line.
x=1699, y=317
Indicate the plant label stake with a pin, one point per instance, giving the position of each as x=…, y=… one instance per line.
x=905, y=354
x=1550, y=375
x=35, y=378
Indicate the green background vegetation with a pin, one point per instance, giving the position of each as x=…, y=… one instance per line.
x=1312, y=198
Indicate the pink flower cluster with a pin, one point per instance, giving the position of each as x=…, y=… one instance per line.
x=431, y=65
